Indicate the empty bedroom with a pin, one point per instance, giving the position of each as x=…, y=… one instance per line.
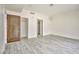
x=39, y=29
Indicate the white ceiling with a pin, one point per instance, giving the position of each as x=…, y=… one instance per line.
x=43, y=8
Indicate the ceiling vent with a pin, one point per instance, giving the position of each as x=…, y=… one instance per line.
x=32, y=13
x=51, y=4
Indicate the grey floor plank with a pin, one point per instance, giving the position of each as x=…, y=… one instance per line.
x=50, y=44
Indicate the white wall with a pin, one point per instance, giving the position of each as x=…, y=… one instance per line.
x=32, y=26
x=66, y=24
x=2, y=36
x=32, y=22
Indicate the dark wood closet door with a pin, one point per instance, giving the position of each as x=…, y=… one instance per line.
x=13, y=28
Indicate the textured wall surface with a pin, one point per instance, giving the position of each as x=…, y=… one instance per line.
x=2, y=42
x=66, y=24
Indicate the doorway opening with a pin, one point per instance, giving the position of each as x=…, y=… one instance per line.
x=13, y=28
x=24, y=28
x=39, y=28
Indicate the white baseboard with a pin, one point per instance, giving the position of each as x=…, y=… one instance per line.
x=56, y=35
x=3, y=48
x=47, y=34
x=66, y=36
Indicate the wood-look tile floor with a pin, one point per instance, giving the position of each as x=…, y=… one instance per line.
x=44, y=45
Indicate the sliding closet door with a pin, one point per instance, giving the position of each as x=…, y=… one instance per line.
x=13, y=28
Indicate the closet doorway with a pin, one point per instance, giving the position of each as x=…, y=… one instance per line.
x=39, y=28
x=24, y=28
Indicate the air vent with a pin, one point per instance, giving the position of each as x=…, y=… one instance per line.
x=51, y=4
x=32, y=13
